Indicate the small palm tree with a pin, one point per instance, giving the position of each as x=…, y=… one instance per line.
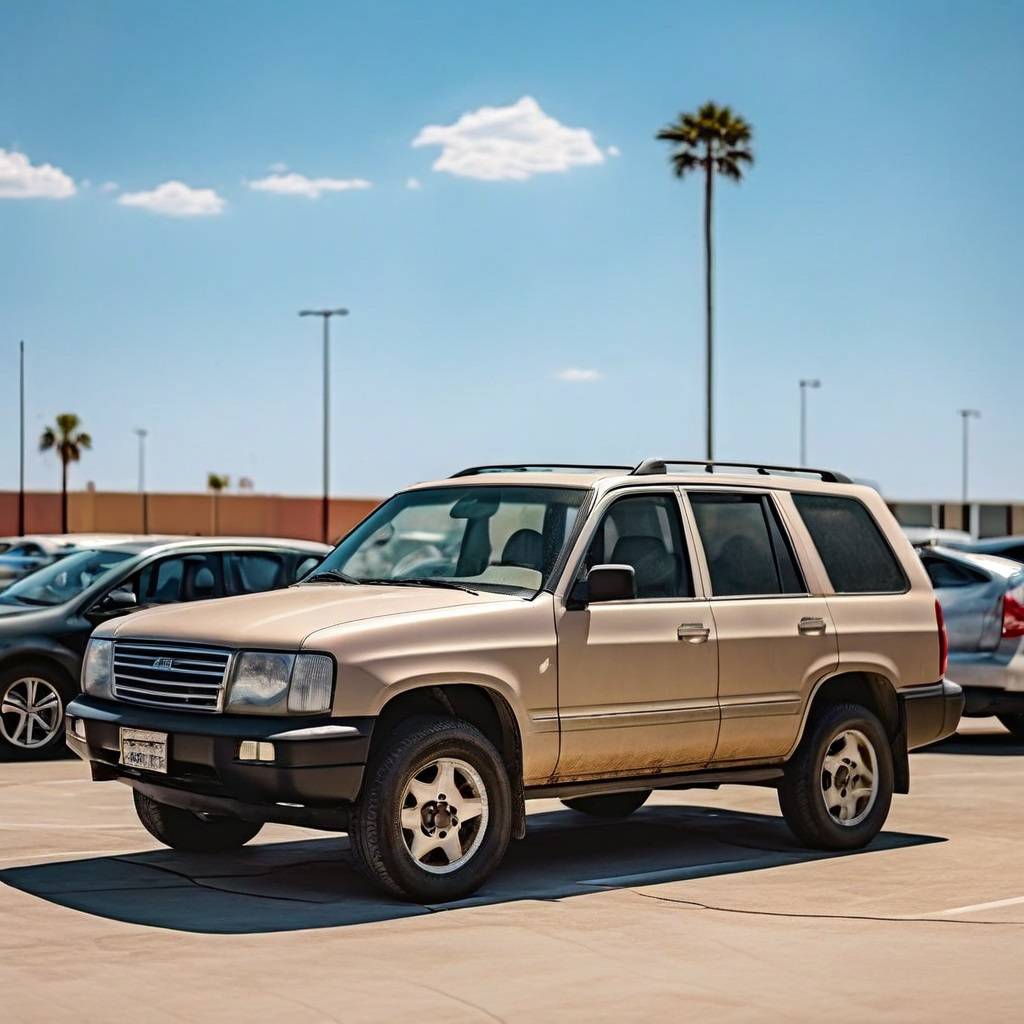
x=68, y=442
x=216, y=482
x=712, y=139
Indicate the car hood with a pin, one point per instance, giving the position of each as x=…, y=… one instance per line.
x=284, y=618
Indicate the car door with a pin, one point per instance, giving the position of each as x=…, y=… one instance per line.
x=775, y=639
x=637, y=679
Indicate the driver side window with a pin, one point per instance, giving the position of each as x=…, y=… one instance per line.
x=644, y=531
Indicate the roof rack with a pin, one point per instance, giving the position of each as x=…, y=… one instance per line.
x=531, y=467
x=652, y=467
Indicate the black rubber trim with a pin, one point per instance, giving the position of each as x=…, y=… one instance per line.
x=984, y=701
x=931, y=712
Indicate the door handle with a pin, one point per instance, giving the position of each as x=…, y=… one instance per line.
x=693, y=632
x=811, y=625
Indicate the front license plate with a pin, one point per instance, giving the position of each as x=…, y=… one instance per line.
x=143, y=749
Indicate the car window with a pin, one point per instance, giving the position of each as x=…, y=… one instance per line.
x=192, y=577
x=944, y=573
x=252, y=572
x=747, y=551
x=645, y=532
x=304, y=566
x=63, y=580
x=855, y=554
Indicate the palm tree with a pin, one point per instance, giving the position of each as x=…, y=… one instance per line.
x=69, y=442
x=216, y=482
x=714, y=139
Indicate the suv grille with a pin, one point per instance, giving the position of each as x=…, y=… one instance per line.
x=170, y=676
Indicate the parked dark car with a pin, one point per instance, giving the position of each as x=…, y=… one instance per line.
x=47, y=616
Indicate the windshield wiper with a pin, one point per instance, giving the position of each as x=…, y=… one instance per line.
x=427, y=581
x=331, y=576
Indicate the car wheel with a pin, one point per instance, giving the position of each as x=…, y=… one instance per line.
x=186, y=831
x=1015, y=724
x=609, y=805
x=435, y=815
x=33, y=697
x=837, y=788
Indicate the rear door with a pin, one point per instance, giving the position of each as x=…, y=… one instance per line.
x=775, y=639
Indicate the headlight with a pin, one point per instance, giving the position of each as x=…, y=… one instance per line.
x=97, y=669
x=268, y=682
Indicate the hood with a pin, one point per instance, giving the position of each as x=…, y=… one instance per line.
x=284, y=618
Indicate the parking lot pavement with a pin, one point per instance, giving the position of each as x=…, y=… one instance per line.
x=699, y=904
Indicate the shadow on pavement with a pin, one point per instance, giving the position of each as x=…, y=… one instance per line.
x=313, y=884
x=984, y=744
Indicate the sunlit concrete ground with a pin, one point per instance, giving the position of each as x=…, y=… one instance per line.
x=700, y=906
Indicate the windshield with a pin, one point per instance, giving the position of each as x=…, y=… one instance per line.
x=503, y=539
x=54, y=584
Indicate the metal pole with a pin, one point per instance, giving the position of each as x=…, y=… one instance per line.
x=141, y=434
x=21, y=440
x=804, y=385
x=326, y=512
x=965, y=416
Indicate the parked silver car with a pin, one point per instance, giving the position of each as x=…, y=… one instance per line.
x=982, y=598
x=1004, y=547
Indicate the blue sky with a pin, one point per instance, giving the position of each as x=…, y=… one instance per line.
x=876, y=243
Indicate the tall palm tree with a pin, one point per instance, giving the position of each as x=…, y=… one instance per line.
x=713, y=139
x=216, y=482
x=68, y=442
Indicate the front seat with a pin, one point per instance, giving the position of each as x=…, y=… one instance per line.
x=657, y=571
x=525, y=549
x=200, y=583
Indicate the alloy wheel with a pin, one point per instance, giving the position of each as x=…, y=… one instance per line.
x=849, y=778
x=444, y=815
x=31, y=713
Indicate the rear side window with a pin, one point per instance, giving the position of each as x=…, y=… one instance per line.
x=253, y=572
x=944, y=573
x=747, y=552
x=856, y=556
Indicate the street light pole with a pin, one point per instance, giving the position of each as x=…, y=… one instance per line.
x=141, y=433
x=325, y=315
x=966, y=415
x=21, y=440
x=804, y=385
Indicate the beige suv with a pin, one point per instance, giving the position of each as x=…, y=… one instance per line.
x=585, y=633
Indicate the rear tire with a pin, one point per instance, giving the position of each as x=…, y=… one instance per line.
x=838, y=786
x=33, y=696
x=609, y=805
x=1015, y=725
x=435, y=815
x=183, y=830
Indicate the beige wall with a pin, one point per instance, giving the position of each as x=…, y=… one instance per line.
x=252, y=515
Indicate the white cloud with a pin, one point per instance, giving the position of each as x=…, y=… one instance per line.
x=20, y=179
x=509, y=143
x=413, y=183
x=176, y=199
x=613, y=151
x=109, y=186
x=292, y=184
x=579, y=375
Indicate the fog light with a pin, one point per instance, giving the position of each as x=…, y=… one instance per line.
x=255, y=750
x=78, y=728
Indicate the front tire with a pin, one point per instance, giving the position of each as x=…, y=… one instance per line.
x=1015, y=725
x=435, y=815
x=837, y=788
x=185, y=831
x=609, y=805
x=33, y=697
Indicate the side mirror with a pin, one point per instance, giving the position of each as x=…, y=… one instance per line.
x=117, y=602
x=604, y=583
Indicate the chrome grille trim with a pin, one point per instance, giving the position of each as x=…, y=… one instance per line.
x=194, y=680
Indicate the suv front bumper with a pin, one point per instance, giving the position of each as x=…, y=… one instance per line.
x=931, y=712
x=316, y=772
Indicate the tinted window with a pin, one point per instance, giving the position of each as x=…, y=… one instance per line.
x=856, y=556
x=943, y=573
x=192, y=577
x=645, y=532
x=252, y=572
x=746, y=549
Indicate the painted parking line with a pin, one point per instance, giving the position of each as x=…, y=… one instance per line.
x=975, y=907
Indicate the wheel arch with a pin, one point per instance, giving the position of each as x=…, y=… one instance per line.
x=56, y=659
x=482, y=706
x=875, y=691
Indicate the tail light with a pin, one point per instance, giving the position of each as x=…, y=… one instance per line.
x=1013, y=613
x=943, y=641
